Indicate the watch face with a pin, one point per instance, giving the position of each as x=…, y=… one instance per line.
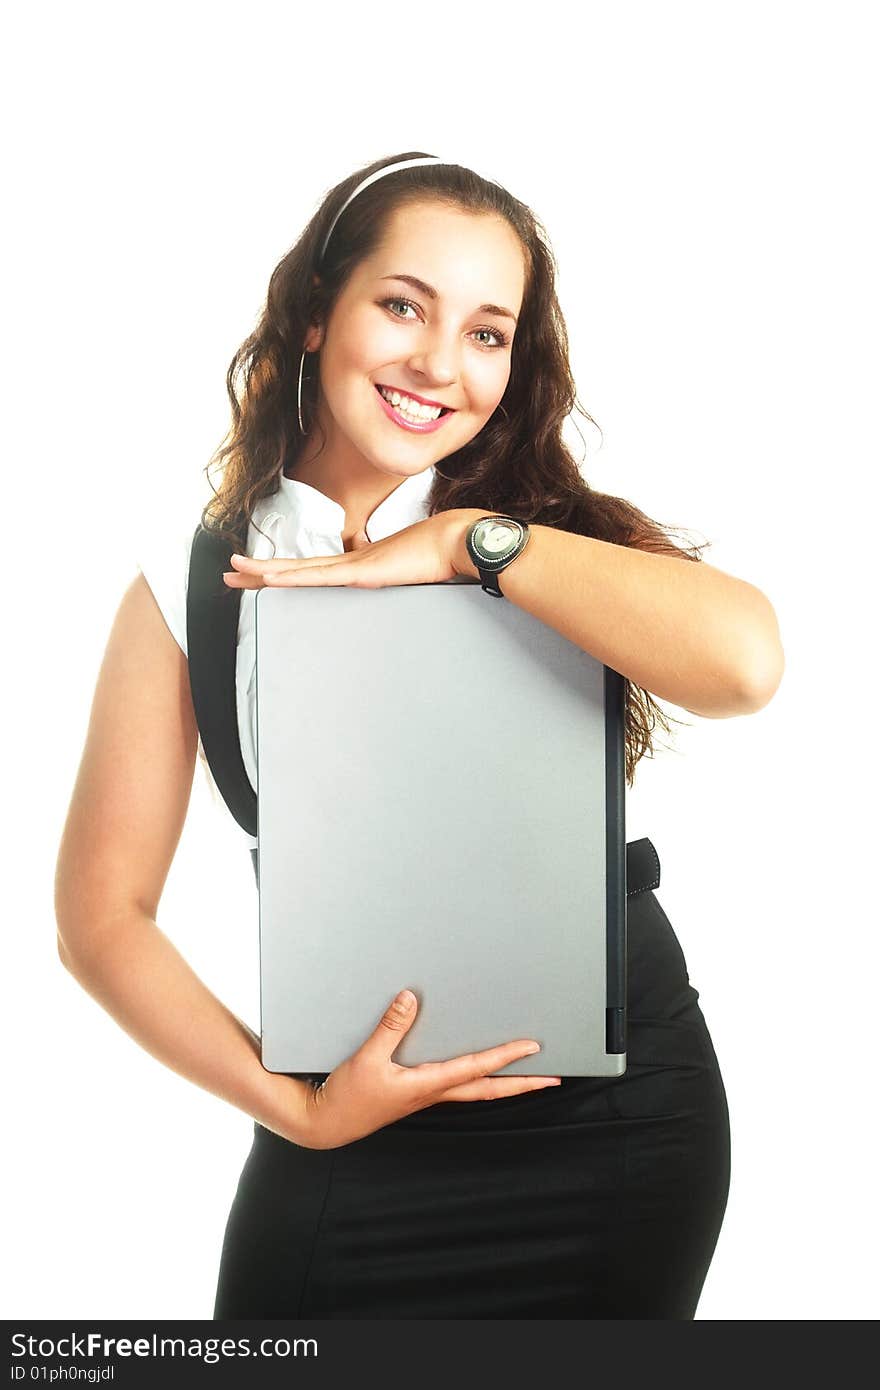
x=492, y=538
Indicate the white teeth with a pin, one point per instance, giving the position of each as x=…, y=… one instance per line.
x=413, y=410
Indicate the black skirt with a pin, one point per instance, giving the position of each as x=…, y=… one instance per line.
x=599, y=1198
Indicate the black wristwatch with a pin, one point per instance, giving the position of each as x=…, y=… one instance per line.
x=492, y=543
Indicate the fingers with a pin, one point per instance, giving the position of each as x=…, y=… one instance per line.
x=305, y=576
x=462, y=1078
x=430, y=1077
x=240, y=581
x=496, y=1087
x=248, y=565
x=250, y=573
x=397, y=1019
x=473, y=1066
x=318, y=576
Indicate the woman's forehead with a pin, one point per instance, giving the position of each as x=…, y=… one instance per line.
x=452, y=249
x=413, y=222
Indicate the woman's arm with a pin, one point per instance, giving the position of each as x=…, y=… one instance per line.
x=137, y=975
x=123, y=827
x=684, y=631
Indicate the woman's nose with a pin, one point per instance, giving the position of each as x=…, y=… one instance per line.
x=437, y=358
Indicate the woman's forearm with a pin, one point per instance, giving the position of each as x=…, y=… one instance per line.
x=135, y=972
x=685, y=632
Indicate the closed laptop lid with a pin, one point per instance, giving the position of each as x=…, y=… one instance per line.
x=440, y=807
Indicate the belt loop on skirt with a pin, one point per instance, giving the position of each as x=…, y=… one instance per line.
x=642, y=867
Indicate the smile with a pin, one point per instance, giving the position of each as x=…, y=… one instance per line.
x=419, y=424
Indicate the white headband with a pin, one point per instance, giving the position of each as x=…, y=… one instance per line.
x=380, y=174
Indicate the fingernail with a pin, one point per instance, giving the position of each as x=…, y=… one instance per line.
x=406, y=998
x=535, y=1048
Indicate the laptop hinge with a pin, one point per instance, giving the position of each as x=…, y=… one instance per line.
x=615, y=1030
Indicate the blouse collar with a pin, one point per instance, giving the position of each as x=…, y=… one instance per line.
x=303, y=506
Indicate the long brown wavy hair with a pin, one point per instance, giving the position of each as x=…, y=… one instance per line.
x=518, y=464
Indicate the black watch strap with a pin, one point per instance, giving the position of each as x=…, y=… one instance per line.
x=489, y=581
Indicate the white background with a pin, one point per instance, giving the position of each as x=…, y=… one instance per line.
x=706, y=177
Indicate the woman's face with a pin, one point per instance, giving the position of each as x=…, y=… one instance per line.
x=445, y=345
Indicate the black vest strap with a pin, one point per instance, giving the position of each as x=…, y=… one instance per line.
x=642, y=867
x=212, y=611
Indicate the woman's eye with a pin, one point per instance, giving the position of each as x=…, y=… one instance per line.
x=405, y=302
x=503, y=339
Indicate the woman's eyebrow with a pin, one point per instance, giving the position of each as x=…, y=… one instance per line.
x=432, y=294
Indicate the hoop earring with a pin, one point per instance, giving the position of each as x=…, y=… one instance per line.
x=299, y=393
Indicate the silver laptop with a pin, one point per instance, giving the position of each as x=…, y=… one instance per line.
x=441, y=806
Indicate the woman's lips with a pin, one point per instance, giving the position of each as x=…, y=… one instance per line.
x=425, y=427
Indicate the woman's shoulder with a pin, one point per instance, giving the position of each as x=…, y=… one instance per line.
x=162, y=549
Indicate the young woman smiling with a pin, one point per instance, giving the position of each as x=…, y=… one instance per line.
x=384, y=1191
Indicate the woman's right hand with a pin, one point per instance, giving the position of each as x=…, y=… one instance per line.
x=369, y=1090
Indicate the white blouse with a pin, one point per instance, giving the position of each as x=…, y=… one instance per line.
x=302, y=522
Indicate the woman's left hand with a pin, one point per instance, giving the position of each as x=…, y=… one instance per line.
x=428, y=552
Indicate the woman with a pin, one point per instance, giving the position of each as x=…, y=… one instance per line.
x=385, y=1191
